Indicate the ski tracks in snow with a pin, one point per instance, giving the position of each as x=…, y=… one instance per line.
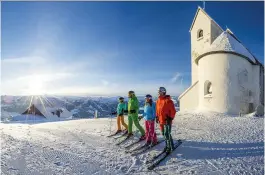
x=35, y=153
x=212, y=144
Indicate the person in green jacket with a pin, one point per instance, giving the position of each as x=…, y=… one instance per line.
x=133, y=108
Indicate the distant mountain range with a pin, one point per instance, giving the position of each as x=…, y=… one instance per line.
x=81, y=107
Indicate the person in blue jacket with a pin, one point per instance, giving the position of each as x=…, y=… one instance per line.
x=150, y=115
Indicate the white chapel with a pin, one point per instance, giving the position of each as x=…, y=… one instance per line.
x=225, y=76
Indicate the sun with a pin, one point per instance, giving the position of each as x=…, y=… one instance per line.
x=35, y=86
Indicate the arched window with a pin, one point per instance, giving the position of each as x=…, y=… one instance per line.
x=200, y=33
x=207, y=88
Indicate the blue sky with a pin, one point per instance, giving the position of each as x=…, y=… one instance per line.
x=109, y=48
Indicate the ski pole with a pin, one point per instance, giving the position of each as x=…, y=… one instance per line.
x=110, y=124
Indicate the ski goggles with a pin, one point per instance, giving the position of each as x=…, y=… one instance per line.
x=161, y=90
x=148, y=98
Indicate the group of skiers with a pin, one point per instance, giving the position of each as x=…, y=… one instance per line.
x=162, y=112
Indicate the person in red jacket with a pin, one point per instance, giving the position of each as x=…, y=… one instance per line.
x=165, y=113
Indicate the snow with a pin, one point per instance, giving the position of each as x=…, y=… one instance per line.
x=47, y=111
x=27, y=117
x=226, y=42
x=5, y=116
x=75, y=111
x=212, y=144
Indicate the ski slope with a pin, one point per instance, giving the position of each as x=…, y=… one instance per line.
x=212, y=144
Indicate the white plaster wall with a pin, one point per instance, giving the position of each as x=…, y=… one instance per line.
x=261, y=74
x=189, y=100
x=227, y=95
x=204, y=23
x=256, y=85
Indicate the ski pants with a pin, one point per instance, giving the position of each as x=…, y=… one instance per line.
x=150, y=131
x=120, y=120
x=166, y=132
x=133, y=118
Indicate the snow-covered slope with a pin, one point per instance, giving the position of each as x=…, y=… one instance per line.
x=212, y=144
x=5, y=116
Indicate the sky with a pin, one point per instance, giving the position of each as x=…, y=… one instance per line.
x=109, y=48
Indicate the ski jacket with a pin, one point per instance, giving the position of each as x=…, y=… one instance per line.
x=121, y=108
x=165, y=108
x=133, y=104
x=149, y=111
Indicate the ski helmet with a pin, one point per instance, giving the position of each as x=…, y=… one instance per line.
x=162, y=89
x=121, y=98
x=148, y=96
x=131, y=92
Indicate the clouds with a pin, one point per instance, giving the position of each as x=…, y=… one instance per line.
x=26, y=84
x=120, y=89
x=66, y=57
x=54, y=73
x=104, y=82
x=176, y=77
x=23, y=60
x=48, y=77
x=80, y=78
x=19, y=74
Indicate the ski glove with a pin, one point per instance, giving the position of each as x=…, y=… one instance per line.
x=125, y=111
x=140, y=117
x=169, y=120
x=113, y=113
x=132, y=111
x=157, y=120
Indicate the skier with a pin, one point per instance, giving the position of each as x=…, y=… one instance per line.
x=150, y=116
x=133, y=108
x=165, y=113
x=121, y=108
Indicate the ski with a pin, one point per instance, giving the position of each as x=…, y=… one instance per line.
x=124, y=140
x=120, y=136
x=135, y=149
x=158, y=155
x=124, y=134
x=134, y=143
x=155, y=157
x=151, y=167
x=111, y=135
x=144, y=148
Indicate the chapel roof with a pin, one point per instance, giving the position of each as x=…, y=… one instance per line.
x=227, y=42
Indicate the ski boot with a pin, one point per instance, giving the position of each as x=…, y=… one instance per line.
x=168, y=151
x=118, y=131
x=129, y=134
x=142, y=137
x=165, y=149
x=153, y=144
x=126, y=131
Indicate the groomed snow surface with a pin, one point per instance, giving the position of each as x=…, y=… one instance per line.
x=212, y=144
